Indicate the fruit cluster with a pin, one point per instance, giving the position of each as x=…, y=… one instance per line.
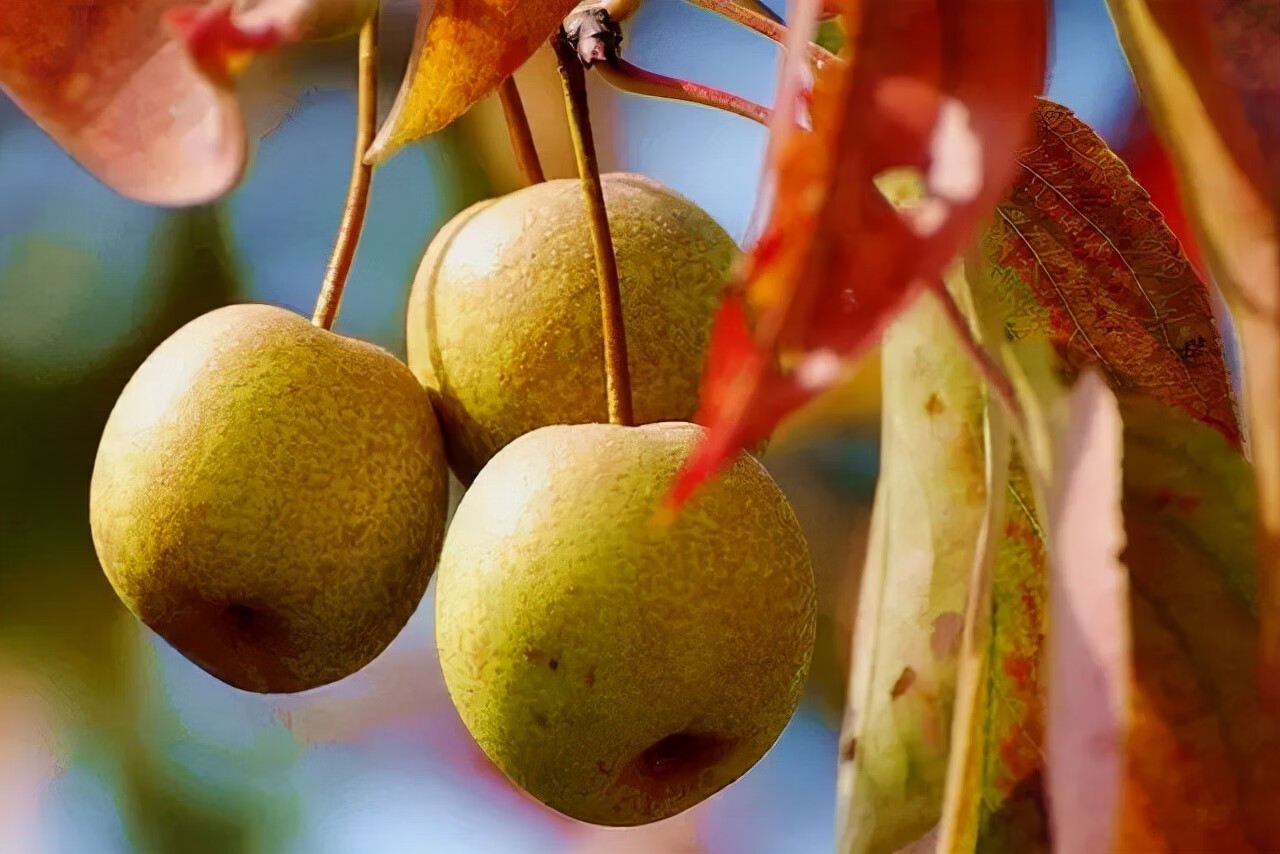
x=271, y=497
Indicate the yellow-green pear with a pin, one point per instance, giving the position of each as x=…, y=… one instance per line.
x=270, y=498
x=618, y=670
x=504, y=321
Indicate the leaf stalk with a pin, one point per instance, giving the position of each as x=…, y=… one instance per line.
x=627, y=77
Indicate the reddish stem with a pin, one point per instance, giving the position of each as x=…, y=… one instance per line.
x=640, y=81
x=762, y=24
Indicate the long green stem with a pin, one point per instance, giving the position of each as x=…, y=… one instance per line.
x=344, y=246
x=617, y=373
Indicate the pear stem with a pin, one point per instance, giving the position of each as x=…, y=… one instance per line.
x=521, y=134
x=617, y=374
x=627, y=77
x=344, y=246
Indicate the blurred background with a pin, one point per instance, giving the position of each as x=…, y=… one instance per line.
x=110, y=743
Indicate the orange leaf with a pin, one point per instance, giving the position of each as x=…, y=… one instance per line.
x=944, y=86
x=463, y=50
x=1210, y=82
x=105, y=80
x=1186, y=750
x=1201, y=769
x=1153, y=680
x=1081, y=253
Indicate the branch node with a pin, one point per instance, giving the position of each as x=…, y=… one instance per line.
x=594, y=34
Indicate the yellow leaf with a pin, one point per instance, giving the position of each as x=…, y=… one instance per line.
x=462, y=51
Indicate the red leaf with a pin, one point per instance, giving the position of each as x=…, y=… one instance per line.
x=1152, y=169
x=1107, y=280
x=107, y=82
x=945, y=86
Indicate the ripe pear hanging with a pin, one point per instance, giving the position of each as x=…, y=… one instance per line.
x=270, y=498
x=620, y=671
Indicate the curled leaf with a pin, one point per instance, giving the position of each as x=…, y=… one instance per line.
x=993, y=801
x=930, y=499
x=1186, y=746
x=945, y=88
x=108, y=83
x=462, y=51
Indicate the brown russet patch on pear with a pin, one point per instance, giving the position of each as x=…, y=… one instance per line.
x=904, y=683
x=673, y=763
x=243, y=645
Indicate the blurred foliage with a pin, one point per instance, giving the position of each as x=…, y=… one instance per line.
x=58, y=616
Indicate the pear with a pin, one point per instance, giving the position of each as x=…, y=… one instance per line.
x=617, y=670
x=270, y=498
x=504, y=317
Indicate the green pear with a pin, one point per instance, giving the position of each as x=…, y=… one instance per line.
x=270, y=498
x=504, y=317
x=617, y=670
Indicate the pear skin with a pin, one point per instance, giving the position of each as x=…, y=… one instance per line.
x=270, y=498
x=618, y=671
x=504, y=316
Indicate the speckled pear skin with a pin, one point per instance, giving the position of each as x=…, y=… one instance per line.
x=504, y=316
x=618, y=672
x=270, y=498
